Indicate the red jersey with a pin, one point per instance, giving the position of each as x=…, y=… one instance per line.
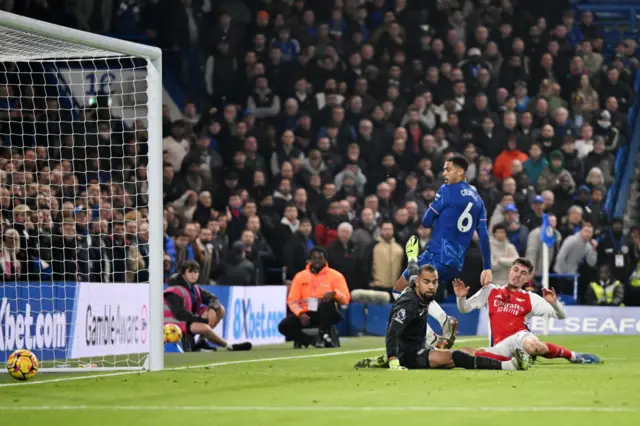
x=509, y=311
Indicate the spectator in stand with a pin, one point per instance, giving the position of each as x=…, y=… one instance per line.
x=575, y=249
x=502, y=165
x=386, y=260
x=235, y=268
x=367, y=232
x=503, y=253
x=532, y=218
x=326, y=232
x=297, y=249
x=342, y=255
x=572, y=223
x=516, y=232
x=555, y=176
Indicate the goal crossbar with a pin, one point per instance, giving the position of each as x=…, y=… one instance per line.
x=100, y=43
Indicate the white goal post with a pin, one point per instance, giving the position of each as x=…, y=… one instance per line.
x=55, y=55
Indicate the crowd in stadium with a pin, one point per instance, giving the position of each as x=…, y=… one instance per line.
x=327, y=123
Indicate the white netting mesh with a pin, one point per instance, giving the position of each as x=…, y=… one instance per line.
x=73, y=203
x=18, y=46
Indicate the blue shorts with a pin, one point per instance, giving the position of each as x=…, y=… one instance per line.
x=446, y=273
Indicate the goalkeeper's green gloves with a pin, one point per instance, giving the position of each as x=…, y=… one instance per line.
x=394, y=365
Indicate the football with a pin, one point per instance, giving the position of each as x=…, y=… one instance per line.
x=172, y=333
x=22, y=364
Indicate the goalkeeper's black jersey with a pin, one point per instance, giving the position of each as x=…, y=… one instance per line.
x=407, y=328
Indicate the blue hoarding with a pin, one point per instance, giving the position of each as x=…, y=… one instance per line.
x=36, y=316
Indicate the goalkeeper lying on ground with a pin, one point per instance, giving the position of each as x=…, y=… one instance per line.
x=406, y=342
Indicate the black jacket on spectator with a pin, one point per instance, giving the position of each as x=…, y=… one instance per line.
x=71, y=259
x=296, y=253
x=235, y=269
x=346, y=261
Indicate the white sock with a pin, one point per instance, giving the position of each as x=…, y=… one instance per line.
x=509, y=365
x=573, y=356
x=431, y=336
x=437, y=312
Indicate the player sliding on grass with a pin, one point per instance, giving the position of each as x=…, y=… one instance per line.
x=454, y=216
x=509, y=308
x=406, y=342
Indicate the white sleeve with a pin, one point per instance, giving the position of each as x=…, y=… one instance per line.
x=540, y=307
x=476, y=301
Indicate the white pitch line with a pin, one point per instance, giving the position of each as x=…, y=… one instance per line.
x=326, y=409
x=210, y=365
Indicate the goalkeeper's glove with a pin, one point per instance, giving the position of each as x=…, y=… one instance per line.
x=394, y=365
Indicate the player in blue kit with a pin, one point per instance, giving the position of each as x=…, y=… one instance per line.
x=454, y=216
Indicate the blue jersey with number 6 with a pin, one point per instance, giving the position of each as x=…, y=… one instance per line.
x=459, y=211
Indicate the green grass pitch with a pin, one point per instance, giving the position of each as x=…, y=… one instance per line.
x=277, y=385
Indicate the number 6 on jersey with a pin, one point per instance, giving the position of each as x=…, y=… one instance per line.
x=465, y=221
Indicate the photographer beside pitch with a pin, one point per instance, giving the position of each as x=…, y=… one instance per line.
x=195, y=310
x=406, y=343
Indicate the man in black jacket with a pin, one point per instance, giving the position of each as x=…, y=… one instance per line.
x=195, y=310
x=236, y=269
x=297, y=250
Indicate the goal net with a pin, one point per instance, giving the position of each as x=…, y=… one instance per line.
x=80, y=198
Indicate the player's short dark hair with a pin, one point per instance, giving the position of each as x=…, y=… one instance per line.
x=498, y=227
x=524, y=262
x=189, y=266
x=459, y=161
x=427, y=268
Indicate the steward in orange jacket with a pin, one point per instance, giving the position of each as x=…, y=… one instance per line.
x=314, y=299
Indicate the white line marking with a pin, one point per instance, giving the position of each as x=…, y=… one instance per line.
x=214, y=364
x=210, y=408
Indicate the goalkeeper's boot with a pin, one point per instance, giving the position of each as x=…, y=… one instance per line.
x=521, y=359
x=412, y=248
x=586, y=358
x=379, y=361
x=449, y=329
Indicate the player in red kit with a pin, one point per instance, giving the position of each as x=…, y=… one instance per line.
x=509, y=309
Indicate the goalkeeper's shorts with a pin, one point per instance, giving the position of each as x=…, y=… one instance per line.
x=416, y=360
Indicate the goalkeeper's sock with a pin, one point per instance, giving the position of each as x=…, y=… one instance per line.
x=492, y=356
x=470, y=362
x=556, y=351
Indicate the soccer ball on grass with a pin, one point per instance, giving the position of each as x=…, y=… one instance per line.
x=22, y=364
x=172, y=333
